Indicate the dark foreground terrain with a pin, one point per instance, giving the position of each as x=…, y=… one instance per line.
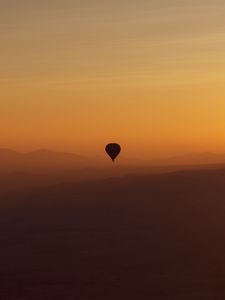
x=138, y=237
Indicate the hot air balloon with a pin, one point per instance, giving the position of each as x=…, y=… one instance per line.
x=113, y=150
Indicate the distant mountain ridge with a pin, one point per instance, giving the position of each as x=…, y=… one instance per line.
x=48, y=160
x=13, y=161
x=42, y=151
x=194, y=158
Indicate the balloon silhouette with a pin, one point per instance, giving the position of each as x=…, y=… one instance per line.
x=113, y=150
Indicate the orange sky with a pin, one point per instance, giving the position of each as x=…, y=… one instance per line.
x=77, y=74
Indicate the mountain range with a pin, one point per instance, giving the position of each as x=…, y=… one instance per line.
x=51, y=161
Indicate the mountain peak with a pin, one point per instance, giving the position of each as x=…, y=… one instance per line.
x=41, y=151
x=8, y=151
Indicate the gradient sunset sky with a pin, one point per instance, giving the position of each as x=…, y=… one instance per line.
x=76, y=74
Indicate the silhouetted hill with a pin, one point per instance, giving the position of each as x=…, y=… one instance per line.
x=136, y=237
x=44, y=157
x=47, y=154
x=202, y=158
x=44, y=161
x=40, y=161
x=5, y=152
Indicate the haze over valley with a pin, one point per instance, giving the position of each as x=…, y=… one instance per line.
x=149, y=236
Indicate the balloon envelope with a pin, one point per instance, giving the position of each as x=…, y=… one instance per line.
x=113, y=150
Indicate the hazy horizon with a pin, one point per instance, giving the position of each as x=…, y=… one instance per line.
x=102, y=156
